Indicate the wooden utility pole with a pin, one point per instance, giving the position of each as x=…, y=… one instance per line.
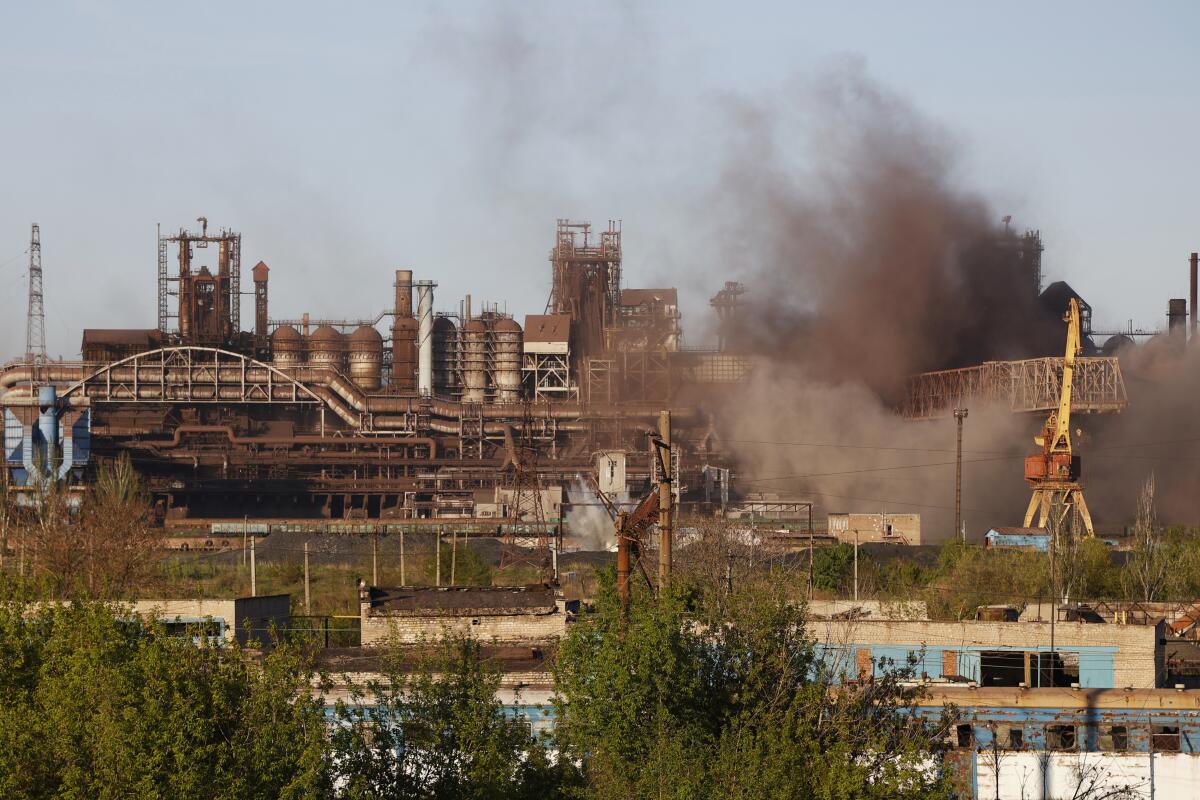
x=307, y=597
x=437, y=545
x=253, y=575
x=623, y=563
x=959, y=415
x=665, y=499
x=453, y=557
x=403, y=581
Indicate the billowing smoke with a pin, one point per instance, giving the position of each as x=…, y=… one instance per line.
x=588, y=524
x=866, y=260
x=1158, y=434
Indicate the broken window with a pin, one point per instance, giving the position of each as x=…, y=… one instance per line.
x=1057, y=668
x=1113, y=738
x=1060, y=737
x=1165, y=738
x=964, y=736
x=1001, y=668
x=1010, y=737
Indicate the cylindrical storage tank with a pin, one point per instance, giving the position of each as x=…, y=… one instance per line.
x=475, y=361
x=445, y=356
x=366, y=358
x=506, y=360
x=287, y=347
x=404, y=353
x=327, y=348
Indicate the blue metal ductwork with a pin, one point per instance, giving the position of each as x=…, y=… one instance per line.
x=51, y=441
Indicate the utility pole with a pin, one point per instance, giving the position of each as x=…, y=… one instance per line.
x=453, y=557
x=35, y=318
x=665, y=499
x=810, y=553
x=959, y=415
x=307, y=604
x=403, y=582
x=375, y=559
x=437, y=545
x=253, y=576
x=856, y=565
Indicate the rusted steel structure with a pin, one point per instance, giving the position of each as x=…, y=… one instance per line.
x=329, y=420
x=1028, y=386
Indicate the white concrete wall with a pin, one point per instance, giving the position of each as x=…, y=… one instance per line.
x=1029, y=775
x=507, y=628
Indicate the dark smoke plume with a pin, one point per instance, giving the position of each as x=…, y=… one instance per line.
x=871, y=263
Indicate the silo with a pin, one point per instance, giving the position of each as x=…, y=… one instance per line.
x=445, y=356
x=287, y=347
x=506, y=360
x=475, y=361
x=327, y=347
x=366, y=358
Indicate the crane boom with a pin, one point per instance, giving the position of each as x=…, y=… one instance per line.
x=1054, y=472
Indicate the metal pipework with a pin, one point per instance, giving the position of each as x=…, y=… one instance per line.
x=48, y=423
x=425, y=337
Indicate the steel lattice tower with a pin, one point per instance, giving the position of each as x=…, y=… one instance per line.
x=35, y=321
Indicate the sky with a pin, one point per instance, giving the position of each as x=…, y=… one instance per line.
x=348, y=140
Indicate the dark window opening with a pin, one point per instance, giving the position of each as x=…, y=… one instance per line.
x=964, y=735
x=1114, y=737
x=1057, y=669
x=1001, y=668
x=1010, y=737
x=1060, y=737
x=1165, y=738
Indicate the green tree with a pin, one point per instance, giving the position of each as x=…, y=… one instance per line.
x=93, y=704
x=435, y=730
x=680, y=702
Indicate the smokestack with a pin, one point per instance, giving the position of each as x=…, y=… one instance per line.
x=403, y=293
x=260, y=298
x=1176, y=316
x=425, y=337
x=466, y=309
x=1195, y=257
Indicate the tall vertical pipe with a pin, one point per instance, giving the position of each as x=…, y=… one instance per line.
x=425, y=337
x=48, y=424
x=1193, y=262
x=404, y=286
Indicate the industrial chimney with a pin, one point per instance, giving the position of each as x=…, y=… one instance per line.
x=1193, y=263
x=425, y=337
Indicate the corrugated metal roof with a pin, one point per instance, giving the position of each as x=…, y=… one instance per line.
x=547, y=327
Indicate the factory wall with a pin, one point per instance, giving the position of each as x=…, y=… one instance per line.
x=1105, y=655
x=530, y=627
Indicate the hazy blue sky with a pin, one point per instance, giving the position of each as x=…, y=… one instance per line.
x=345, y=140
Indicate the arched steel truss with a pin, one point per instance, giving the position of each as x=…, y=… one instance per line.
x=191, y=375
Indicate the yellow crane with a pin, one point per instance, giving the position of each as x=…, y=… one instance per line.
x=1054, y=472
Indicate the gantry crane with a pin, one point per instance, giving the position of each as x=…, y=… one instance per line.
x=1054, y=472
